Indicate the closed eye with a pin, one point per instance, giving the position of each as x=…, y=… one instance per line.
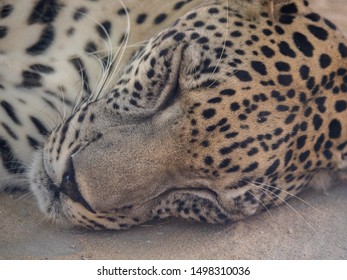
x=172, y=95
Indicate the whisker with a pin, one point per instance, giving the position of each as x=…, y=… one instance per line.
x=290, y=206
x=293, y=195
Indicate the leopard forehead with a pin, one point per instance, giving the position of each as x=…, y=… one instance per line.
x=226, y=112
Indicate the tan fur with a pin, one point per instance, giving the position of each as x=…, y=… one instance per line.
x=218, y=133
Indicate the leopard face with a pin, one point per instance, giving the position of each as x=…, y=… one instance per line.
x=216, y=118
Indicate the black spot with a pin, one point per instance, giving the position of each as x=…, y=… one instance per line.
x=70, y=31
x=169, y=34
x=81, y=117
x=301, y=141
x=39, y=125
x=282, y=66
x=330, y=24
x=319, y=143
x=340, y=106
x=267, y=32
x=236, y=34
x=304, y=72
x=42, y=68
x=303, y=156
x=150, y=73
x=10, y=162
x=282, y=108
x=213, y=11
x=291, y=93
x=202, y=219
x=278, y=131
x=208, y=160
x=160, y=18
x=225, y=163
x=252, y=151
x=319, y=32
x=138, y=86
x=122, y=11
x=268, y=52
x=208, y=113
x=290, y=119
x=317, y=121
x=310, y=83
x=199, y=23
x=286, y=50
x=335, y=129
x=191, y=16
x=45, y=11
x=179, y=5
x=286, y=19
x=289, y=9
x=320, y=101
x=141, y=18
x=90, y=47
x=272, y=168
x=80, y=13
x=313, y=17
x=324, y=60
x=279, y=30
x=328, y=154
x=343, y=50
x=242, y=117
x=179, y=36
x=251, y=167
x=303, y=44
x=10, y=110
x=31, y=79
x=209, y=84
x=227, y=92
x=214, y=100
x=6, y=10
x=243, y=76
x=203, y=40
x=234, y=106
x=9, y=131
x=342, y=146
x=3, y=31
x=104, y=29
x=35, y=144
x=79, y=66
x=277, y=95
x=259, y=67
x=288, y=157
x=205, y=143
x=285, y=80
x=44, y=42
x=233, y=169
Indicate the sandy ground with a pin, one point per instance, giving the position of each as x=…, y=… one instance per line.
x=315, y=229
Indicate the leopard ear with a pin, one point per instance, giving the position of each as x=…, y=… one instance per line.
x=171, y=89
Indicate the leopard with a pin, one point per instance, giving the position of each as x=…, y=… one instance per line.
x=118, y=113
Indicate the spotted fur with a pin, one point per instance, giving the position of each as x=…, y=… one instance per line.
x=226, y=109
